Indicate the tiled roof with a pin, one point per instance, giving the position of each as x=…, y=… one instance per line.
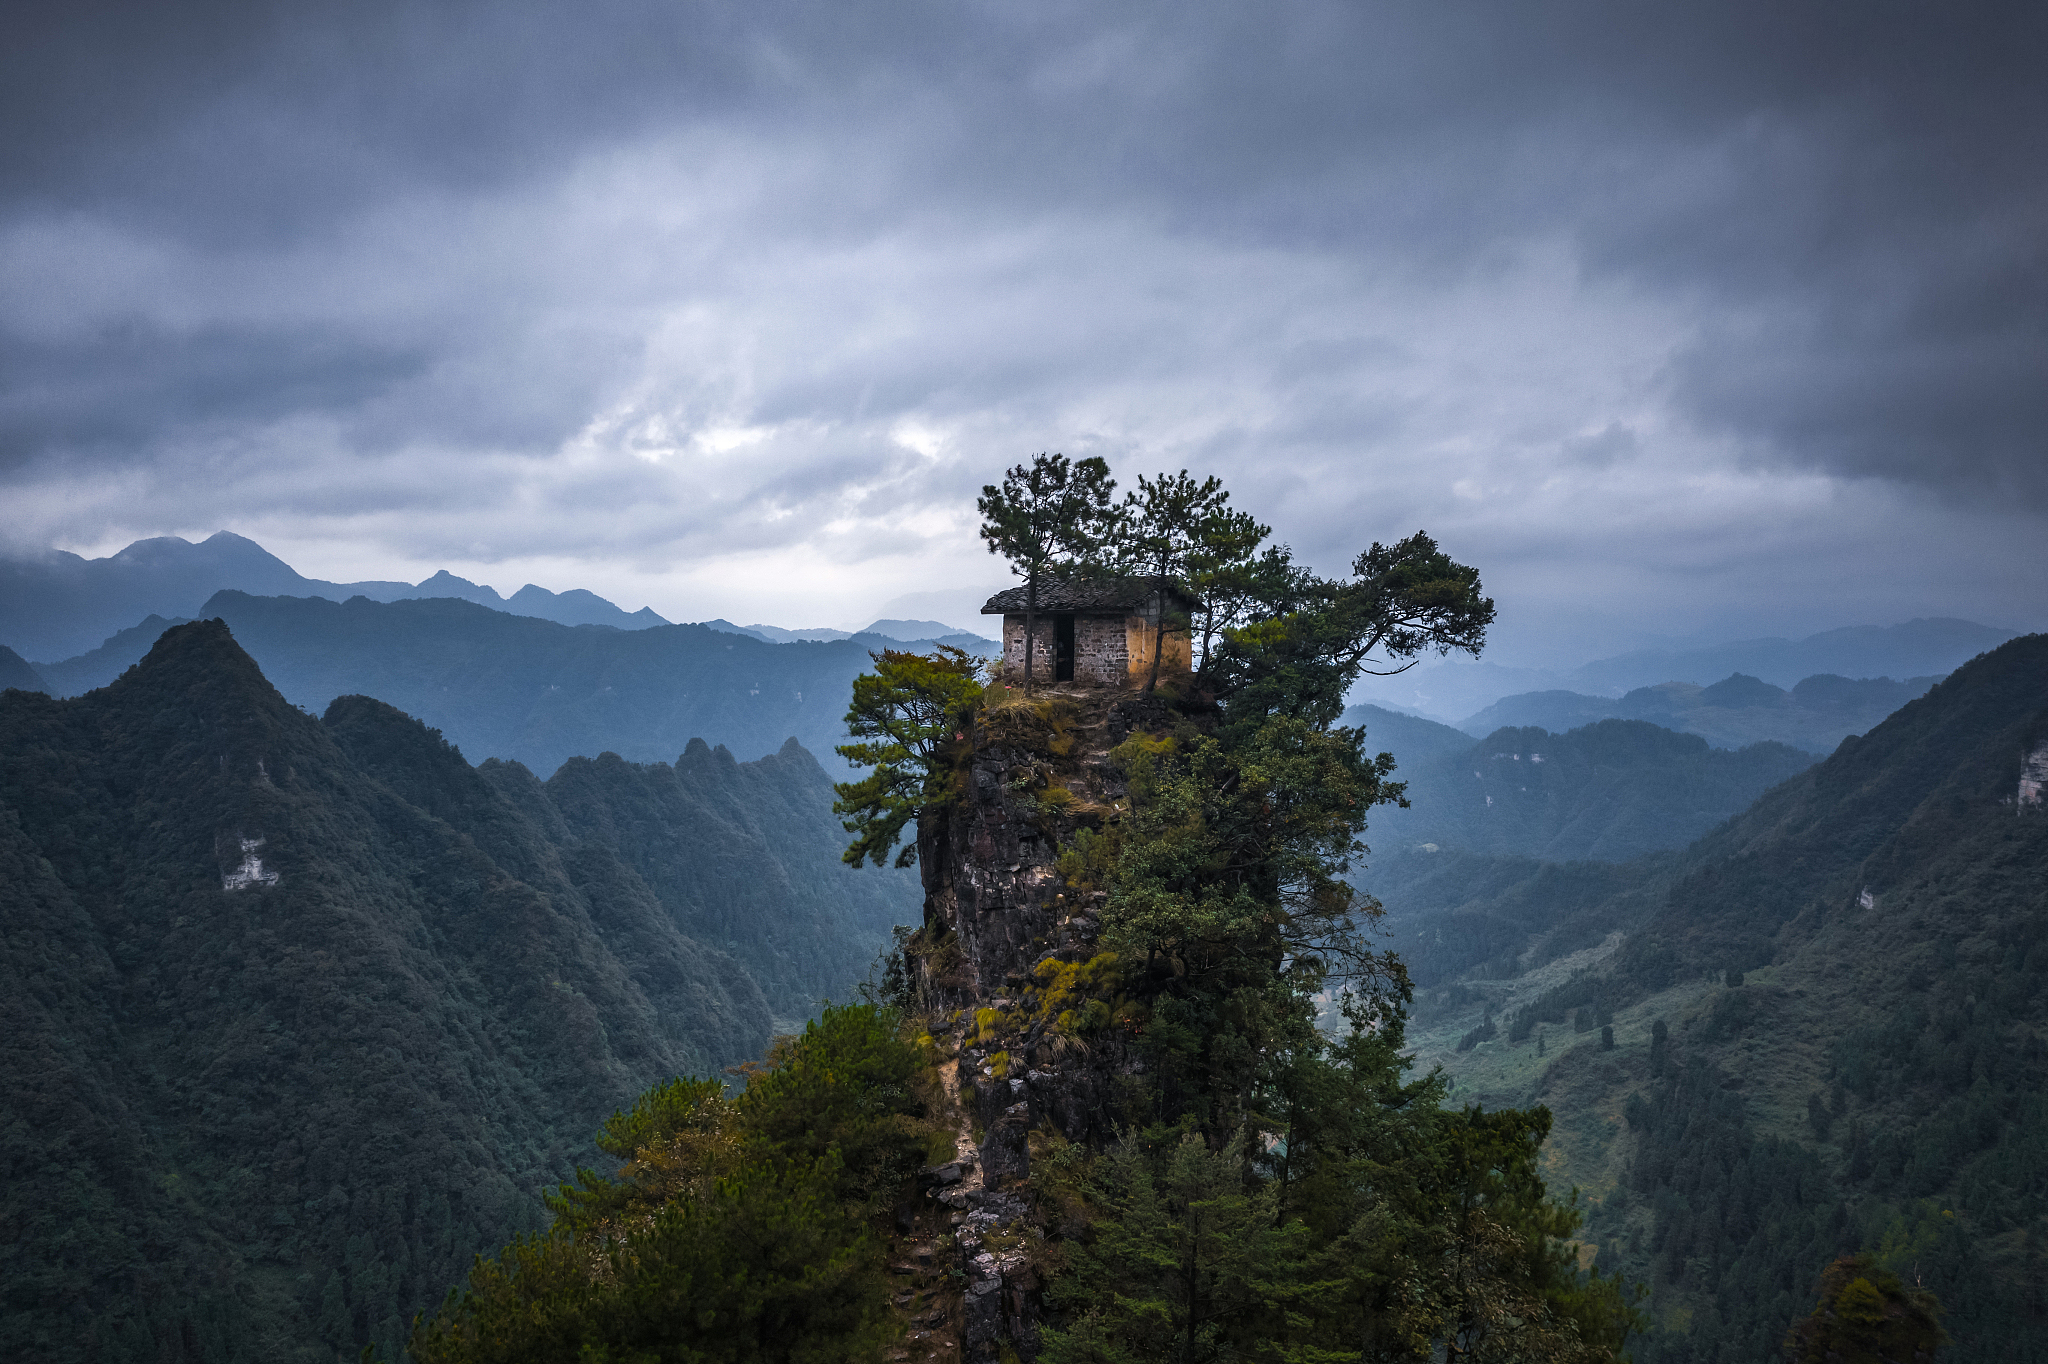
x=1108, y=595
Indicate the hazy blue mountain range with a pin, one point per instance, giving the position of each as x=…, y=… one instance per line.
x=516, y=687
x=120, y=651
x=507, y=686
x=1814, y=715
x=72, y=676
x=775, y=634
x=1826, y=1019
x=1612, y=791
x=16, y=672
x=59, y=605
x=1928, y=646
x=296, y=1014
x=574, y=607
x=893, y=634
x=893, y=629
x=1450, y=691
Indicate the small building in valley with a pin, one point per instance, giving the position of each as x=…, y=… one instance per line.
x=1097, y=632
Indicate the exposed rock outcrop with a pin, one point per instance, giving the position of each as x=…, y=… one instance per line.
x=997, y=912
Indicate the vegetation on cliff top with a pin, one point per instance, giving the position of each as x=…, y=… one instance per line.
x=1276, y=1193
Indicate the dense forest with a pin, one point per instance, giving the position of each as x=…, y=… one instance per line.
x=1818, y=1030
x=299, y=1014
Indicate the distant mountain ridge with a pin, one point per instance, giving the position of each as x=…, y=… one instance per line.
x=1934, y=645
x=16, y=672
x=60, y=605
x=1610, y=791
x=515, y=687
x=1815, y=715
x=507, y=686
x=1930, y=646
x=902, y=633
x=574, y=607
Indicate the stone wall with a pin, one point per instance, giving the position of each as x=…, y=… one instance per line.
x=1109, y=651
x=1101, y=653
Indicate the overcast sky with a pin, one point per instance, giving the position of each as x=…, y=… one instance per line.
x=1683, y=321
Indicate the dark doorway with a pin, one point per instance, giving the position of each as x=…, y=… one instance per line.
x=1062, y=648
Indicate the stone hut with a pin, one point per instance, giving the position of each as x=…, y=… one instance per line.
x=1096, y=632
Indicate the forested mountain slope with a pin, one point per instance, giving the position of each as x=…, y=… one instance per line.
x=1505, y=859
x=745, y=856
x=1611, y=791
x=1827, y=1035
x=95, y=668
x=296, y=1015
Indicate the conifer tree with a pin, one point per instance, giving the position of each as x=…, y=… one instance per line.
x=1188, y=1257
x=1052, y=518
x=1867, y=1316
x=906, y=716
x=1180, y=534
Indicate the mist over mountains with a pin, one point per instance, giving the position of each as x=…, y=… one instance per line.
x=514, y=687
x=1609, y=791
x=1815, y=715
x=1456, y=692
x=60, y=604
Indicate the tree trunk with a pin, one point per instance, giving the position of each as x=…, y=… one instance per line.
x=1158, y=635
x=1030, y=626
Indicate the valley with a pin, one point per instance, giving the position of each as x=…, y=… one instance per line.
x=1851, y=980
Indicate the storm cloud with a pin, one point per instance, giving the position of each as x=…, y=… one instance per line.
x=1670, y=318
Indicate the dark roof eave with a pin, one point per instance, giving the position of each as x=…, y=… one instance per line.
x=1116, y=597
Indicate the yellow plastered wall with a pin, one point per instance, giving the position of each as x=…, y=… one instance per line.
x=1176, y=654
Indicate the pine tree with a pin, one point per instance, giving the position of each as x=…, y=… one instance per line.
x=1050, y=518
x=1175, y=529
x=1186, y=1260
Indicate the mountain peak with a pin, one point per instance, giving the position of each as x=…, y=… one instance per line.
x=200, y=653
x=446, y=584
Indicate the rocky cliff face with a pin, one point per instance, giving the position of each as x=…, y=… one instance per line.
x=999, y=927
